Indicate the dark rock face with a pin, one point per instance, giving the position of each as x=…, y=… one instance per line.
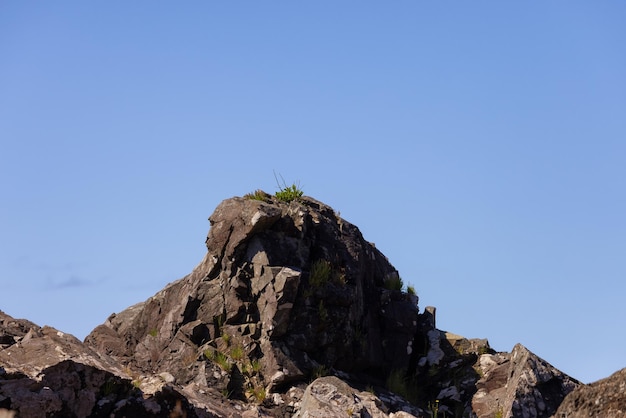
x=605, y=398
x=291, y=287
x=286, y=294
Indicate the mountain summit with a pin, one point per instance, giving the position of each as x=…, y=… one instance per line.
x=290, y=313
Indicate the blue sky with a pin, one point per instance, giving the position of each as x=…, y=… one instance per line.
x=480, y=145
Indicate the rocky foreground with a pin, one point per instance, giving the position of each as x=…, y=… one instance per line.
x=290, y=313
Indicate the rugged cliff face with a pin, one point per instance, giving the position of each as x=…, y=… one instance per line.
x=291, y=312
x=285, y=292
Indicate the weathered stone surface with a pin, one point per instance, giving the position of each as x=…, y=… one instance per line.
x=255, y=288
x=45, y=372
x=519, y=384
x=5, y=413
x=331, y=397
x=286, y=292
x=605, y=398
x=13, y=330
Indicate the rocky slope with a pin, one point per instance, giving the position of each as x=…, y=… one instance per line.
x=605, y=398
x=290, y=313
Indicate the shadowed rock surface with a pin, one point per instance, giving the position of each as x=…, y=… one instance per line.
x=291, y=312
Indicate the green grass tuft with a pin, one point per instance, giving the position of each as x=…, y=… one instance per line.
x=287, y=193
x=320, y=273
x=257, y=393
x=221, y=360
x=257, y=195
x=237, y=353
x=397, y=383
x=218, y=358
x=256, y=365
x=394, y=282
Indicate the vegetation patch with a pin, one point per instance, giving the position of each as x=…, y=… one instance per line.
x=256, y=365
x=499, y=412
x=319, y=371
x=237, y=353
x=221, y=360
x=218, y=358
x=321, y=271
x=287, y=193
x=322, y=311
x=397, y=383
x=257, y=195
x=257, y=393
x=394, y=282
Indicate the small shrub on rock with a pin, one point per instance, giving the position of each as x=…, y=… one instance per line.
x=394, y=282
x=257, y=195
x=289, y=193
x=257, y=393
x=320, y=273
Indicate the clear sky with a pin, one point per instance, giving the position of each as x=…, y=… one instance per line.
x=480, y=145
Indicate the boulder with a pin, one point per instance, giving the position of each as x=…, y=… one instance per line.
x=519, y=384
x=331, y=397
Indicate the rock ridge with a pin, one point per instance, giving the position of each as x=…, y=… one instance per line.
x=291, y=312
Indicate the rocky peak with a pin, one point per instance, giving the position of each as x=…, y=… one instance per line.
x=291, y=311
x=292, y=285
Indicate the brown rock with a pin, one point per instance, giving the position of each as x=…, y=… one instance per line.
x=285, y=292
x=46, y=372
x=519, y=384
x=255, y=288
x=605, y=398
x=331, y=397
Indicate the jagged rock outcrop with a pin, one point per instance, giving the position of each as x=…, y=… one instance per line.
x=291, y=312
x=47, y=373
x=605, y=398
x=290, y=286
x=519, y=384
